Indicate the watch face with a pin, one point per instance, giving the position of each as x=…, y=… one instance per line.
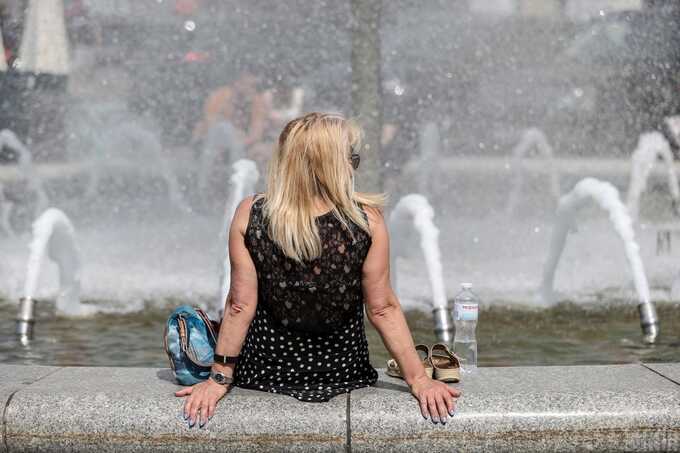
x=218, y=377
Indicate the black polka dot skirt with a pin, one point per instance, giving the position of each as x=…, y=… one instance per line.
x=311, y=367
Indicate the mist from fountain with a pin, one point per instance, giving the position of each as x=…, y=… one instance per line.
x=606, y=196
x=3, y=61
x=54, y=236
x=243, y=179
x=221, y=136
x=26, y=169
x=429, y=145
x=114, y=144
x=532, y=138
x=293, y=109
x=673, y=125
x=650, y=146
x=5, y=211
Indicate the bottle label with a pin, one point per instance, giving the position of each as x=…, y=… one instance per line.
x=465, y=312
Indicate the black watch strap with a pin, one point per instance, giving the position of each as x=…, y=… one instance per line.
x=224, y=359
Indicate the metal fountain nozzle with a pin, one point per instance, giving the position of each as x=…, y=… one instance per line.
x=649, y=322
x=442, y=325
x=25, y=319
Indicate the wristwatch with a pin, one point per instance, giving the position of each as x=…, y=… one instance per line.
x=220, y=378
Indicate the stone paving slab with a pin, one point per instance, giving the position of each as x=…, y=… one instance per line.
x=576, y=408
x=669, y=370
x=14, y=378
x=134, y=409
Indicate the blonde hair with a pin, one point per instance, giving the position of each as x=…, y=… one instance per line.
x=312, y=161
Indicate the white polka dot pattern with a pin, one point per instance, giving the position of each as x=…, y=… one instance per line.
x=307, y=339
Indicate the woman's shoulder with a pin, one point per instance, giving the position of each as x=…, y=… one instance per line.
x=374, y=215
x=248, y=202
x=245, y=208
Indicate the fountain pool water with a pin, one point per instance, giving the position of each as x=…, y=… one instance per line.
x=565, y=334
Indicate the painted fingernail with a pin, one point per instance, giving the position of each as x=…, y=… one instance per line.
x=452, y=412
x=443, y=420
x=435, y=419
x=191, y=423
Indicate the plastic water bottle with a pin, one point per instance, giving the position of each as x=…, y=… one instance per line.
x=465, y=312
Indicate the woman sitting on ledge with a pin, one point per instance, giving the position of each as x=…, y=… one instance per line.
x=305, y=258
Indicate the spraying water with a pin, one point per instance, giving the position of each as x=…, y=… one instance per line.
x=54, y=235
x=243, y=180
x=128, y=145
x=26, y=168
x=3, y=61
x=5, y=211
x=292, y=110
x=650, y=146
x=429, y=144
x=414, y=209
x=532, y=138
x=673, y=126
x=222, y=136
x=607, y=197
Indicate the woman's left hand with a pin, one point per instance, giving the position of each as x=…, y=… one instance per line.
x=202, y=400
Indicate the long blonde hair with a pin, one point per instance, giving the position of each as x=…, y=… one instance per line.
x=312, y=161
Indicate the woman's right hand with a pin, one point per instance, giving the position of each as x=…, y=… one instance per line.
x=437, y=400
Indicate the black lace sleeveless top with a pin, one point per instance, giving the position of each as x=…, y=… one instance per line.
x=307, y=339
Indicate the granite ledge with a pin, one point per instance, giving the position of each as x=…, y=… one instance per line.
x=620, y=407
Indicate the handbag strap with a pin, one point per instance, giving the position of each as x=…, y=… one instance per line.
x=184, y=343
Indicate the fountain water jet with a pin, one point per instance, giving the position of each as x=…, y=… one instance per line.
x=414, y=209
x=54, y=236
x=650, y=146
x=532, y=138
x=607, y=197
x=429, y=144
x=5, y=211
x=243, y=180
x=26, y=169
x=221, y=135
x=672, y=124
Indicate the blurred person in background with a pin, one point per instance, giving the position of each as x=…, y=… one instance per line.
x=233, y=121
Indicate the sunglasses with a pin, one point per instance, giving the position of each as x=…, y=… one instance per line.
x=354, y=158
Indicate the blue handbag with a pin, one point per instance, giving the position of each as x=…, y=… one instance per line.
x=189, y=341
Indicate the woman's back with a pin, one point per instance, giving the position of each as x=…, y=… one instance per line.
x=316, y=295
x=309, y=322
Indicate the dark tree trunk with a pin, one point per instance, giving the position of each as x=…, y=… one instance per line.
x=366, y=88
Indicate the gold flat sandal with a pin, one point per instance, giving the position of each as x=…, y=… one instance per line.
x=445, y=364
x=393, y=368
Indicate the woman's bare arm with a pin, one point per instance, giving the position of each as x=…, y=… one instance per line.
x=382, y=306
x=238, y=314
x=239, y=308
x=385, y=313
